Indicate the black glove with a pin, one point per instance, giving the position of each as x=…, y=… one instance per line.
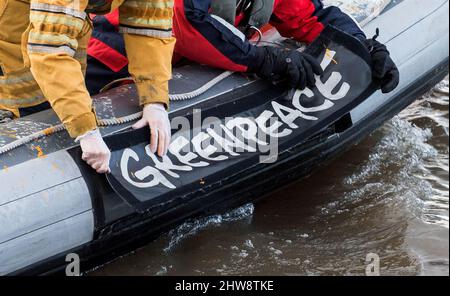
x=276, y=63
x=385, y=71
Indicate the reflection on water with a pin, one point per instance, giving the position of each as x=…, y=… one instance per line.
x=388, y=195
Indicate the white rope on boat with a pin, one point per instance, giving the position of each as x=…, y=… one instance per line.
x=201, y=90
x=179, y=97
x=113, y=121
x=25, y=140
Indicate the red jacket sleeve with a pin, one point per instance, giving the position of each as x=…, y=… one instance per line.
x=304, y=20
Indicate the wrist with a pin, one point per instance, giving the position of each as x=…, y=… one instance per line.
x=80, y=125
x=90, y=134
x=257, y=62
x=155, y=106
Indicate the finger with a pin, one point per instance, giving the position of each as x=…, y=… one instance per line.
x=302, y=81
x=390, y=82
x=161, y=143
x=379, y=74
x=168, y=139
x=97, y=165
x=85, y=156
x=101, y=165
x=140, y=124
x=294, y=76
x=169, y=129
x=104, y=169
x=310, y=77
x=315, y=65
x=379, y=68
x=91, y=161
x=168, y=136
x=153, y=139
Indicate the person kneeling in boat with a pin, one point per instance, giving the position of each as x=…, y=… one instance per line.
x=205, y=35
x=43, y=47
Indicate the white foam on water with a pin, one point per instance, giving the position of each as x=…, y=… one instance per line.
x=192, y=227
x=405, y=166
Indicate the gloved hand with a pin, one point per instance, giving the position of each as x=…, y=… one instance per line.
x=95, y=151
x=156, y=116
x=298, y=68
x=385, y=71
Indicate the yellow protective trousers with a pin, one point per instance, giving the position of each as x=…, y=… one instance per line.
x=43, y=47
x=18, y=89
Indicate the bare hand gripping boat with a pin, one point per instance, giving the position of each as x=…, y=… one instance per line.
x=52, y=204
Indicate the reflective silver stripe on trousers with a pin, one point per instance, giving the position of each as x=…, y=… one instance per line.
x=15, y=102
x=51, y=49
x=59, y=9
x=27, y=77
x=146, y=32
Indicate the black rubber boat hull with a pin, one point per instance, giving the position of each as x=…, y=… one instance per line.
x=318, y=154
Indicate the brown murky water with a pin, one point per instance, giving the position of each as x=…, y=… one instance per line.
x=387, y=195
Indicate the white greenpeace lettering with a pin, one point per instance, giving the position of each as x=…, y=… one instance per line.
x=209, y=150
x=309, y=93
x=158, y=177
x=166, y=165
x=326, y=89
x=177, y=146
x=272, y=130
x=248, y=128
x=269, y=122
x=291, y=115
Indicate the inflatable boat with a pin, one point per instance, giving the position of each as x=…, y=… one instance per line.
x=236, y=138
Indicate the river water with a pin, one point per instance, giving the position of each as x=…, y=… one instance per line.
x=386, y=196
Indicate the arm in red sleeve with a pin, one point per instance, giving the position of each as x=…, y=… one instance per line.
x=304, y=20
